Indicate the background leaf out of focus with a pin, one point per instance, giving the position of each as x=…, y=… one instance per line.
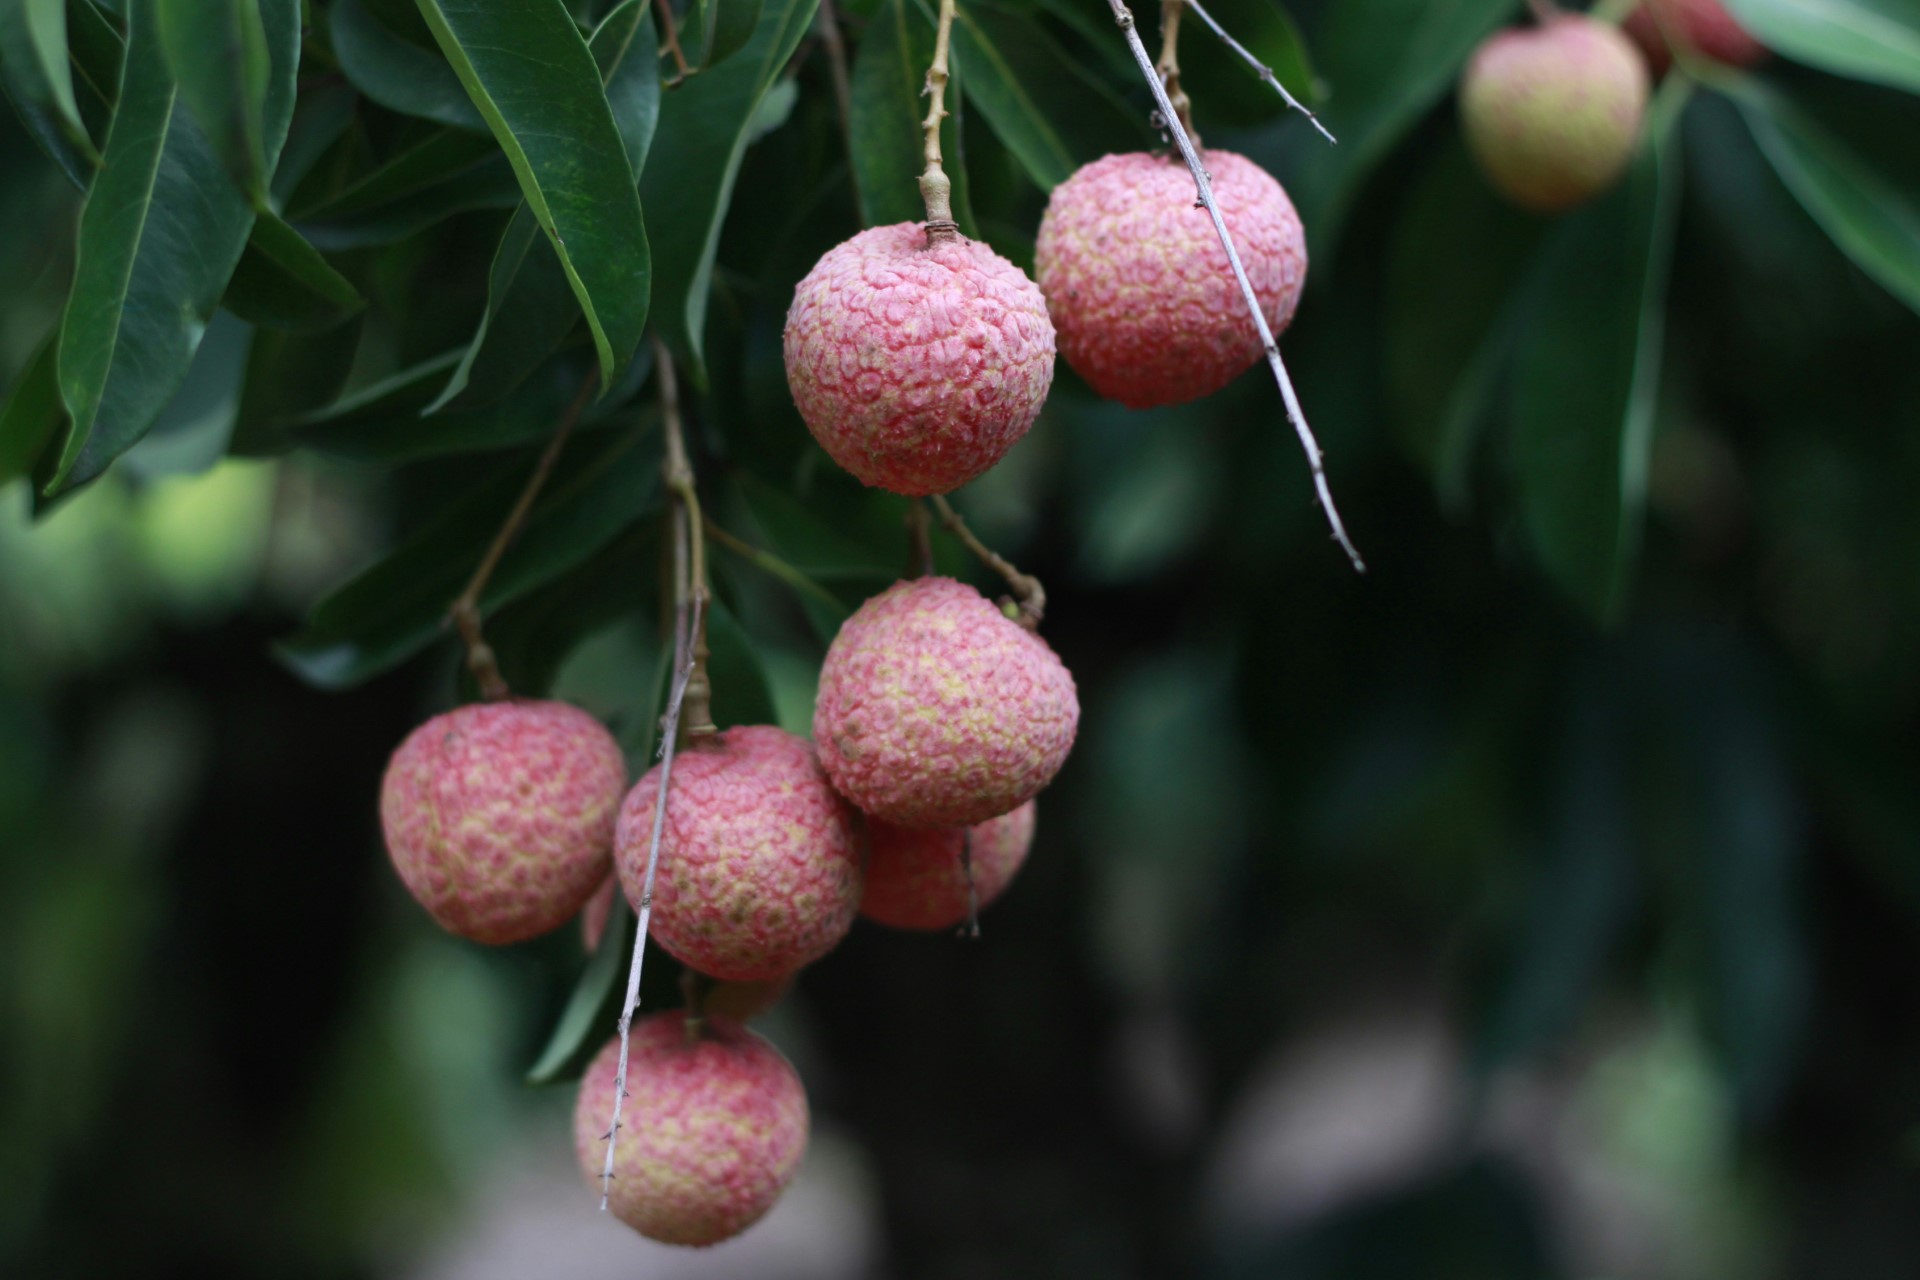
x=1544, y=904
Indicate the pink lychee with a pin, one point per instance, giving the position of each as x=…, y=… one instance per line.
x=1552, y=113
x=917, y=366
x=1146, y=305
x=712, y=1129
x=915, y=879
x=499, y=816
x=936, y=710
x=1704, y=27
x=759, y=872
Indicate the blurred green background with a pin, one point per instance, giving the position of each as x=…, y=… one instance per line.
x=1545, y=903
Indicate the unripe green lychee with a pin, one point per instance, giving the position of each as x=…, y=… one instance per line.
x=936, y=710
x=499, y=816
x=1703, y=27
x=1141, y=293
x=1552, y=113
x=759, y=872
x=917, y=366
x=915, y=879
x=712, y=1129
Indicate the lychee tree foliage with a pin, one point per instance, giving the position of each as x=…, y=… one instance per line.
x=459, y=245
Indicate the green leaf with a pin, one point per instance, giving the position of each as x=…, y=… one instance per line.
x=725, y=28
x=160, y=234
x=1594, y=323
x=1389, y=62
x=35, y=73
x=32, y=414
x=1048, y=111
x=397, y=607
x=1872, y=217
x=530, y=305
x=398, y=74
x=218, y=51
x=741, y=692
x=445, y=173
x=1456, y=255
x=705, y=126
x=532, y=76
x=289, y=374
x=282, y=282
x=1225, y=90
x=593, y=1005
x=1872, y=40
x=885, y=115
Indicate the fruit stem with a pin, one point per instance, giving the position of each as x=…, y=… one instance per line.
x=670, y=37
x=1203, y=186
x=464, y=612
x=1260, y=68
x=1168, y=68
x=691, y=567
x=935, y=187
x=919, y=541
x=1027, y=591
x=830, y=39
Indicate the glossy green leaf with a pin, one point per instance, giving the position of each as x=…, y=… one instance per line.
x=1382, y=85
x=534, y=79
x=396, y=73
x=530, y=305
x=282, y=282
x=391, y=428
x=1042, y=105
x=886, y=111
x=397, y=607
x=1457, y=253
x=593, y=1005
x=290, y=374
x=37, y=77
x=218, y=51
x=725, y=28
x=741, y=692
x=160, y=234
x=444, y=174
x=705, y=126
x=1873, y=216
x=1873, y=40
x=32, y=413
x=1595, y=322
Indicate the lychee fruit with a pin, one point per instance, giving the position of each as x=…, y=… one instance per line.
x=713, y=1126
x=759, y=872
x=1704, y=27
x=1552, y=113
x=1145, y=303
x=916, y=365
x=915, y=879
x=936, y=710
x=499, y=815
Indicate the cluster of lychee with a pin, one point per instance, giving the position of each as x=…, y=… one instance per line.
x=1553, y=112
x=917, y=357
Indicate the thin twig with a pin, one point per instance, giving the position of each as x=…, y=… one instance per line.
x=769, y=563
x=935, y=187
x=679, y=481
x=1260, y=68
x=1027, y=591
x=670, y=37
x=464, y=612
x=836, y=47
x=1123, y=18
x=1168, y=68
x=919, y=543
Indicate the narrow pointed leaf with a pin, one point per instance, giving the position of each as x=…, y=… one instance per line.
x=725, y=28
x=530, y=73
x=290, y=373
x=31, y=415
x=396, y=73
x=1872, y=40
x=38, y=78
x=218, y=51
x=282, y=282
x=592, y=1005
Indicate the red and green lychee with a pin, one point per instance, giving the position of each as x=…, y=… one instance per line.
x=758, y=873
x=917, y=878
x=1702, y=27
x=917, y=365
x=499, y=816
x=1552, y=113
x=712, y=1129
x=1142, y=296
x=936, y=710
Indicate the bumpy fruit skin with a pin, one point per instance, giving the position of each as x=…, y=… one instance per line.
x=914, y=877
x=759, y=871
x=1702, y=26
x=935, y=710
x=1141, y=293
x=1552, y=113
x=917, y=367
x=499, y=816
x=714, y=1125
